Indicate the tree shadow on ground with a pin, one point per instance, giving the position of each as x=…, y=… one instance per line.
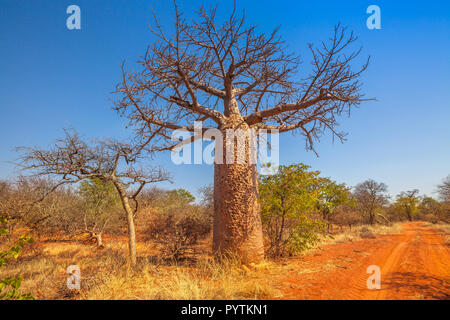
x=419, y=284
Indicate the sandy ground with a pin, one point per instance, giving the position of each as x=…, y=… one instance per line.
x=414, y=265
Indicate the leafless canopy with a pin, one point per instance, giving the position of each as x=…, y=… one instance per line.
x=72, y=159
x=371, y=196
x=410, y=194
x=209, y=72
x=444, y=189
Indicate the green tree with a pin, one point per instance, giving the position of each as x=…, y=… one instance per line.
x=288, y=201
x=430, y=209
x=181, y=195
x=101, y=205
x=407, y=203
x=332, y=195
x=177, y=199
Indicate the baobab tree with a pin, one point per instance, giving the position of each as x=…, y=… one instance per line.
x=72, y=160
x=371, y=197
x=232, y=77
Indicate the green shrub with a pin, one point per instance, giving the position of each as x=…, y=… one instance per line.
x=288, y=208
x=9, y=287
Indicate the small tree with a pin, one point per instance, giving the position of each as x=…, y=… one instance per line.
x=371, y=197
x=180, y=195
x=100, y=201
x=430, y=209
x=444, y=190
x=207, y=194
x=22, y=201
x=73, y=160
x=207, y=200
x=178, y=223
x=407, y=203
x=332, y=195
x=288, y=200
x=7, y=207
x=31, y=202
x=347, y=215
x=177, y=231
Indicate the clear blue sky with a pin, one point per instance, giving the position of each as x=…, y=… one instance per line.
x=52, y=77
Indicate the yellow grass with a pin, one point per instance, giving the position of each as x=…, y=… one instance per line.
x=445, y=227
x=354, y=234
x=205, y=280
x=105, y=274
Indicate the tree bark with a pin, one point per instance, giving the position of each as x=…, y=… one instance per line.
x=237, y=222
x=237, y=228
x=409, y=216
x=130, y=222
x=371, y=217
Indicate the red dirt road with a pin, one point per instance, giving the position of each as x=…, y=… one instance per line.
x=414, y=265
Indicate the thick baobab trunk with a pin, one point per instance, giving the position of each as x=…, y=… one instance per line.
x=130, y=222
x=237, y=220
x=237, y=226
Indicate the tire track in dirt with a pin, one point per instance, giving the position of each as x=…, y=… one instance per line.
x=414, y=265
x=389, y=262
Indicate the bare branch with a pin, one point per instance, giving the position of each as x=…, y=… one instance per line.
x=211, y=72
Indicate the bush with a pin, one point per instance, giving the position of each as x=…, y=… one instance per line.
x=178, y=232
x=9, y=287
x=346, y=216
x=430, y=218
x=365, y=233
x=288, y=205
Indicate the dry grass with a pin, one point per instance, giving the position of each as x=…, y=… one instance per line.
x=445, y=227
x=355, y=233
x=105, y=273
x=204, y=280
x=447, y=240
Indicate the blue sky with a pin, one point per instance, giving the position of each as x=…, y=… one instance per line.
x=52, y=77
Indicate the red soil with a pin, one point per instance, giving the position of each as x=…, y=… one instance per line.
x=414, y=265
